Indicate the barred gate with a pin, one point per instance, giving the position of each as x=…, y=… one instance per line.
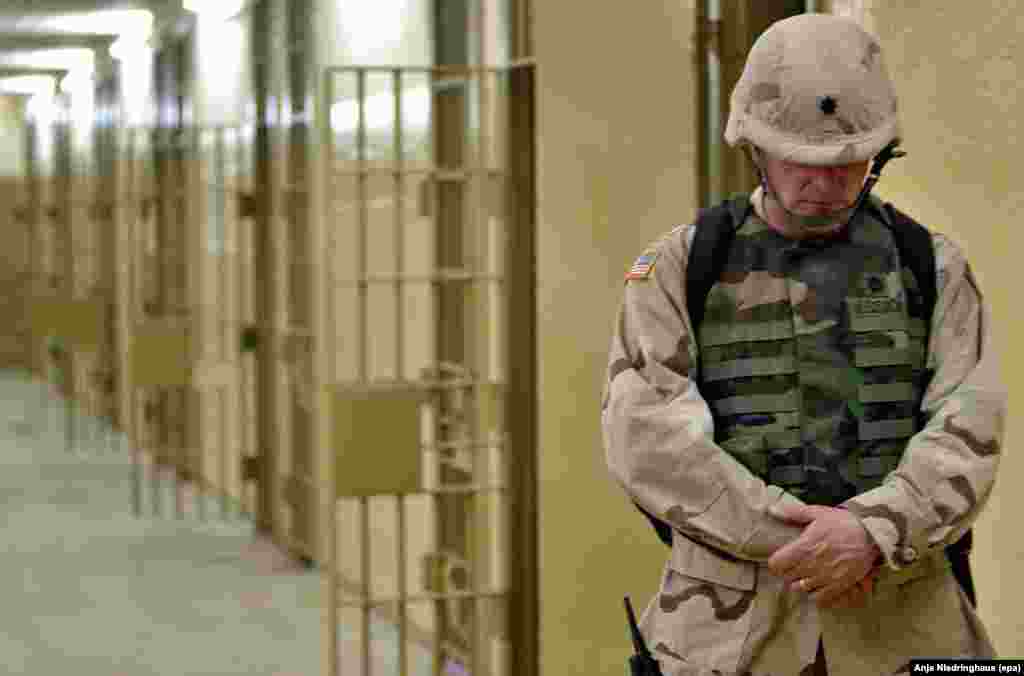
x=191, y=368
x=68, y=286
x=395, y=352
x=427, y=211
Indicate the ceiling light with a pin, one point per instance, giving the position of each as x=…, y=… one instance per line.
x=27, y=84
x=215, y=9
x=61, y=58
x=127, y=46
x=134, y=29
x=43, y=110
x=76, y=81
x=113, y=22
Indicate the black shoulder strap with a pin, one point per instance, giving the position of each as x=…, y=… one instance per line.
x=715, y=228
x=917, y=252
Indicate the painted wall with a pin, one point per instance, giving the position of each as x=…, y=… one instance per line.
x=956, y=68
x=12, y=142
x=12, y=234
x=617, y=153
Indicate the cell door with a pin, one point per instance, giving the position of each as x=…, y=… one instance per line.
x=428, y=216
x=200, y=341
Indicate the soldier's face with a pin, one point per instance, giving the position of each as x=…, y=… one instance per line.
x=816, y=191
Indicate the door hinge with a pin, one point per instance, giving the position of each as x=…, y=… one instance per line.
x=250, y=339
x=251, y=468
x=246, y=205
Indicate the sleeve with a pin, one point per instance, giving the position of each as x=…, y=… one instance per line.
x=949, y=468
x=658, y=430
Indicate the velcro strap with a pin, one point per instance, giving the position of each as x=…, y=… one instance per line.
x=787, y=475
x=744, y=332
x=757, y=403
x=783, y=440
x=887, y=321
x=877, y=465
x=748, y=449
x=866, y=357
x=746, y=368
x=900, y=428
x=881, y=392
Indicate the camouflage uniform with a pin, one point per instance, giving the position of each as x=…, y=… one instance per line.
x=815, y=386
x=811, y=365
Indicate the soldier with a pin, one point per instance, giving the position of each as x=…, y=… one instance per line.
x=816, y=441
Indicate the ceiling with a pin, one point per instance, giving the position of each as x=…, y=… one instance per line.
x=74, y=17
x=49, y=16
x=33, y=32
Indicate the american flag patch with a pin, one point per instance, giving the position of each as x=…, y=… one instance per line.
x=642, y=267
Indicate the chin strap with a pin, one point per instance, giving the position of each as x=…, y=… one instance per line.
x=887, y=153
x=883, y=157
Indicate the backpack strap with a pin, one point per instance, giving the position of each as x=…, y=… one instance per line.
x=707, y=257
x=715, y=228
x=917, y=252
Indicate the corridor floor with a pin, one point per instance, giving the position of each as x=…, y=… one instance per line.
x=89, y=589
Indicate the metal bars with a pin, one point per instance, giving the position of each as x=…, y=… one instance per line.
x=445, y=337
x=196, y=347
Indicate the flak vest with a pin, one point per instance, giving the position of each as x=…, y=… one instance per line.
x=812, y=358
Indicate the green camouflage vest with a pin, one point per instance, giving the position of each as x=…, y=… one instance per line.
x=812, y=358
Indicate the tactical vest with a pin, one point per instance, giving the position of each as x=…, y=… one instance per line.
x=812, y=358
x=711, y=247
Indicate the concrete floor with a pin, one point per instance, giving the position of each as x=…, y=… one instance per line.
x=89, y=589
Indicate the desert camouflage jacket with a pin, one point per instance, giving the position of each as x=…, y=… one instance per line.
x=719, y=609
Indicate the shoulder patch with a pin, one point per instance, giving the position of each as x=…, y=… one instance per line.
x=644, y=265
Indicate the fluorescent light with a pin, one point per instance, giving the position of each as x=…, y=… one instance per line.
x=42, y=108
x=134, y=28
x=77, y=80
x=66, y=58
x=116, y=22
x=126, y=47
x=215, y=9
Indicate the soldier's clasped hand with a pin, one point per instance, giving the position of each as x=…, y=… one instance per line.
x=831, y=560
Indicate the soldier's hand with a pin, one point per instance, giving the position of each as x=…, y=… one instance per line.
x=856, y=596
x=832, y=555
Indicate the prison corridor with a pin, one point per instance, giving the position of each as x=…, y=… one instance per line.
x=88, y=588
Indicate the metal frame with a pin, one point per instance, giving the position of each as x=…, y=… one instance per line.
x=520, y=381
x=20, y=71
x=264, y=201
x=32, y=41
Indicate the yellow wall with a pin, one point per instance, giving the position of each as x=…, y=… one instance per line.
x=616, y=169
x=12, y=233
x=956, y=69
x=12, y=143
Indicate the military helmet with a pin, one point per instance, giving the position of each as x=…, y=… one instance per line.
x=815, y=91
